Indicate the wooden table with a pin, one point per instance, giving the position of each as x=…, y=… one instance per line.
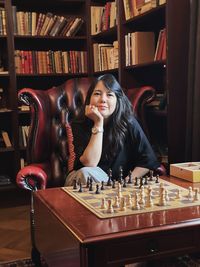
x=68, y=234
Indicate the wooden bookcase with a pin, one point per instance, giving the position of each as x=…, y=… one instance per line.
x=167, y=126
x=12, y=119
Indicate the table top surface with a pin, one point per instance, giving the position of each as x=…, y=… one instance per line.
x=87, y=227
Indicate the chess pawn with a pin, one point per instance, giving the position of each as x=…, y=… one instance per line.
x=166, y=195
x=119, y=189
x=190, y=193
x=116, y=202
x=142, y=196
x=162, y=201
x=196, y=194
x=122, y=204
x=136, y=205
x=103, y=203
x=129, y=200
x=149, y=202
x=110, y=206
x=178, y=194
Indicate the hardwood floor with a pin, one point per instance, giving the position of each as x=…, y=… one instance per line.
x=14, y=226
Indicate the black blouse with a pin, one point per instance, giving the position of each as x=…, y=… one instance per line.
x=136, y=151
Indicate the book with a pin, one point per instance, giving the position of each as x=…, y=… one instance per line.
x=6, y=139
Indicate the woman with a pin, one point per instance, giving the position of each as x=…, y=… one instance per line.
x=107, y=136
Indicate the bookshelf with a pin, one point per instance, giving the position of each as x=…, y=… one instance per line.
x=31, y=57
x=164, y=71
x=104, y=27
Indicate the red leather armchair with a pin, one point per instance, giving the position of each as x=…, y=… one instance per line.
x=51, y=111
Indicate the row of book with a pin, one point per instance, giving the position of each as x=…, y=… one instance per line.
x=33, y=23
x=23, y=135
x=47, y=62
x=134, y=8
x=106, y=56
x=103, y=17
x=140, y=47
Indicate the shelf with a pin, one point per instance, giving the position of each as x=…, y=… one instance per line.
x=41, y=37
x=110, y=33
x=160, y=63
x=51, y=75
x=6, y=149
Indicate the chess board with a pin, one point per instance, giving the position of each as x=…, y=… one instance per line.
x=93, y=201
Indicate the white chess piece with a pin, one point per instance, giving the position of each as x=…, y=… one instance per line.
x=110, y=206
x=103, y=203
x=119, y=190
x=116, y=202
x=136, y=205
x=129, y=200
x=149, y=202
x=122, y=204
x=196, y=194
x=190, y=193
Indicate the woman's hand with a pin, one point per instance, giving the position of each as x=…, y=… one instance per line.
x=93, y=113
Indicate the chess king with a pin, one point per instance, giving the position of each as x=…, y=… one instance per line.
x=106, y=135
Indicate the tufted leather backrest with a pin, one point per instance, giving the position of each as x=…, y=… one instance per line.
x=51, y=111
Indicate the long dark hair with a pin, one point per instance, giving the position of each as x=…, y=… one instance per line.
x=116, y=128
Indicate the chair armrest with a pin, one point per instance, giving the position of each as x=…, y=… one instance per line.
x=34, y=176
x=38, y=139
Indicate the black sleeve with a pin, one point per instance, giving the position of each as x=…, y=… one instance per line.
x=143, y=153
x=80, y=140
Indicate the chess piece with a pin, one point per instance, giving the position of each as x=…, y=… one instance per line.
x=136, y=205
x=166, y=195
x=130, y=177
x=157, y=178
x=119, y=190
x=178, y=194
x=162, y=201
x=136, y=181
x=97, y=189
x=196, y=194
x=151, y=175
x=109, y=177
x=122, y=204
x=116, y=202
x=129, y=200
x=74, y=184
x=110, y=206
x=149, y=202
x=90, y=185
x=80, y=188
x=88, y=182
x=146, y=180
x=103, y=203
x=113, y=183
x=102, y=185
x=124, y=183
x=190, y=193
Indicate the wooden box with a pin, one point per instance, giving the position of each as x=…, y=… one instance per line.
x=189, y=171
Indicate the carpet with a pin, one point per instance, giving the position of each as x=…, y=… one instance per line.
x=21, y=263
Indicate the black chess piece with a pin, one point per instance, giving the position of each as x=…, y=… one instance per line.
x=146, y=180
x=130, y=177
x=97, y=189
x=88, y=182
x=102, y=185
x=151, y=175
x=141, y=181
x=136, y=181
x=74, y=184
x=113, y=184
x=91, y=186
x=120, y=173
x=80, y=188
x=157, y=178
x=124, y=183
